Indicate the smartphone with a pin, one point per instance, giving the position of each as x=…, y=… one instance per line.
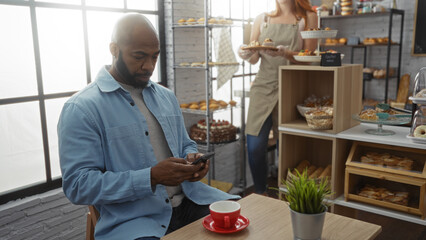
x=203, y=158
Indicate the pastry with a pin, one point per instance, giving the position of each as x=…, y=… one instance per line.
x=254, y=44
x=181, y=21
x=343, y=40
x=191, y=21
x=201, y=20
x=213, y=106
x=326, y=172
x=223, y=103
x=184, y=105
x=268, y=43
x=316, y=174
x=301, y=167
x=311, y=169
x=194, y=106
x=369, y=114
x=212, y=21
x=420, y=131
x=232, y=103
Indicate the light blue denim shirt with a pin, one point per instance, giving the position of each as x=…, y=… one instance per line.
x=106, y=158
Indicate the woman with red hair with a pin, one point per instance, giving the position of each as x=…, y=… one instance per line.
x=283, y=26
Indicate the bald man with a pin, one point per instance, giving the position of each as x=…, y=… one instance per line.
x=124, y=148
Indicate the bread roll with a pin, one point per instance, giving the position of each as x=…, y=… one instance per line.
x=302, y=165
x=326, y=172
x=316, y=173
x=311, y=169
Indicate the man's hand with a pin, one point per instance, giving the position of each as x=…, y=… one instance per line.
x=173, y=171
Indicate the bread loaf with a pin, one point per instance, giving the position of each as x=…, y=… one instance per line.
x=301, y=167
x=326, y=172
x=316, y=173
x=311, y=169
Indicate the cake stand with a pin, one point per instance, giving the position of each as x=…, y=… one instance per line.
x=399, y=119
x=316, y=34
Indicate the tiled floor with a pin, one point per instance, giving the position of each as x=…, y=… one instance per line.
x=392, y=229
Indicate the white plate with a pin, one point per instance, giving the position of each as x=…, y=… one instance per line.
x=318, y=34
x=418, y=100
x=312, y=58
x=417, y=139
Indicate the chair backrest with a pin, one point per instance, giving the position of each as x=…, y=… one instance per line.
x=92, y=219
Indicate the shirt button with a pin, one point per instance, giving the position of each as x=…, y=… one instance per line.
x=167, y=201
x=146, y=133
x=163, y=226
x=132, y=103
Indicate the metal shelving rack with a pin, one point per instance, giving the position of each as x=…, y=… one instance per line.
x=208, y=114
x=390, y=13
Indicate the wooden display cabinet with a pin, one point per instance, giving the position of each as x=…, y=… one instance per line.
x=298, y=82
x=360, y=149
x=320, y=151
x=356, y=178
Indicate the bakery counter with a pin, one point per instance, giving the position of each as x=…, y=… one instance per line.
x=357, y=133
x=400, y=139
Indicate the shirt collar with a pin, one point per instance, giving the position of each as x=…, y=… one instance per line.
x=107, y=83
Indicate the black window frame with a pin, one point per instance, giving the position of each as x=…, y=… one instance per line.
x=41, y=97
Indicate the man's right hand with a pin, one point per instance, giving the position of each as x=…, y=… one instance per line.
x=173, y=171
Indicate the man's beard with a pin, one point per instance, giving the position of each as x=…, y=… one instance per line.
x=125, y=75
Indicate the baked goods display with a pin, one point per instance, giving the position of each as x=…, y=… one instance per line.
x=320, y=118
x=383, y=194
x=313, y=172
x=368, y=114
x=335, y=41
x=202, y=105
x=221, y=131
x=377, y=73
x=387, y=160
x=313, y=33
x=313, y=102
x=378, y=41
x=201, y=21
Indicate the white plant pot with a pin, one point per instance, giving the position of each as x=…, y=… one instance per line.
x=307, y=226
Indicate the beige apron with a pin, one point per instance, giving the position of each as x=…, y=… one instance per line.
x=264, y=91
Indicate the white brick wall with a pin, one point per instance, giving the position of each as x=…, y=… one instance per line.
x=45, y=216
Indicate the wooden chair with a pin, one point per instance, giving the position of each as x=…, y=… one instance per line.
x=92, y=218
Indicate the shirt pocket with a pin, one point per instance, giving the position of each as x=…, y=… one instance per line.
x=125, y=148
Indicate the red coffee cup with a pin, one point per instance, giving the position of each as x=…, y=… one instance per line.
x=225, y=213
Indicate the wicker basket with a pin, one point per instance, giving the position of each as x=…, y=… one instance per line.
x=319, y=122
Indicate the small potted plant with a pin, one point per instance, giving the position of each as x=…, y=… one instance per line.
x=306, y=202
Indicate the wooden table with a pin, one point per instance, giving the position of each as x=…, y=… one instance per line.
x=270, y=219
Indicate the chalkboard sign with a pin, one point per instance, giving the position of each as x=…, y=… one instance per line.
x=331, y=59
x=419, y=37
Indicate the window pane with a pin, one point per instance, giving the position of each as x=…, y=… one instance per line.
x=237, y=8
x=53, y=110
x=99, y=27
x=61, y=49
x=142, y=5
x=220, y=8
x=21, y=147
x=17, y=54
x=107, y=3
x=74, y=2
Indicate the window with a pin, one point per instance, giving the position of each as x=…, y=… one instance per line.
x=50, y=50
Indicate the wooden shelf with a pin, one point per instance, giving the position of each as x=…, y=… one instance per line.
x=343, y=84
x=379, y=210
